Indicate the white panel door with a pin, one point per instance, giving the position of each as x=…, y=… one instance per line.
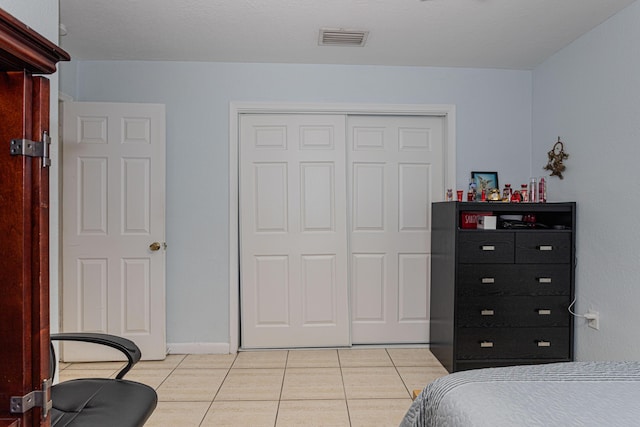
x=396, y=171
x=293, y=246
x=114, y=226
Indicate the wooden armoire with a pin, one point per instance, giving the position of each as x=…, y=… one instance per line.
x=24, y=222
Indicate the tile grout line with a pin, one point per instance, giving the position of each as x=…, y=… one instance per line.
x=170, y=373
x=344, y=388
x=398, y=372
x=284, y=375
x=218, y=391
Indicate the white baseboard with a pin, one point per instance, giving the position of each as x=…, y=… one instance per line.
x=198, y=348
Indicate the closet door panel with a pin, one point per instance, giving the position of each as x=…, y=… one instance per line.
x=293, y=234
x=395, y=169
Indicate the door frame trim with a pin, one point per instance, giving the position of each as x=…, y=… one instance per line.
x=448, y=111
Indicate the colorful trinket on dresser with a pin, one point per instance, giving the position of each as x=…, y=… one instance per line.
x=494, y=195
x=506, y=193
x=524, y=193
x=471, y=194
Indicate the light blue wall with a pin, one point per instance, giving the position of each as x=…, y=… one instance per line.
x=493, y=133
x=589, y=94
x=69, y=78
x=42, y=16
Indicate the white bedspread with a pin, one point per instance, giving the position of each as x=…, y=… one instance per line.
x=559, y=394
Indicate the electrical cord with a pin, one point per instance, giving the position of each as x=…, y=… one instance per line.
x=588, y=316
x=571, y=305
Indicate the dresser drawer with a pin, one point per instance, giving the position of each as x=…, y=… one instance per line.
x=514, y=279
x=512, y=311
x=512, y=343
x=543, y=247
x=486, y=247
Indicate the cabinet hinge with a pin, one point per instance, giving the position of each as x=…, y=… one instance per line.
x=39, y=398
x=26, y=147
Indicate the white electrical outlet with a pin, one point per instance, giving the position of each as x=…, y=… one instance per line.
x=593, y=319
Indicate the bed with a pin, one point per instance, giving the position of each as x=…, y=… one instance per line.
x=557, y=394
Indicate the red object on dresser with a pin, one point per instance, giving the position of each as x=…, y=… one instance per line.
x=470, y=219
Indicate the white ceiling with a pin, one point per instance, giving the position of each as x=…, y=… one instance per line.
x=511, y=34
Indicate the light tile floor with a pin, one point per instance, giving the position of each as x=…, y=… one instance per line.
x=344, y=387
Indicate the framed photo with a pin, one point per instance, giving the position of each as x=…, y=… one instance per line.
x=485, y=180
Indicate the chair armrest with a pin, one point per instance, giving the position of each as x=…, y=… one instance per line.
x=127, y=347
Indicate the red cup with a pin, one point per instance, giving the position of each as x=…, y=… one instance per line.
x=460, y=193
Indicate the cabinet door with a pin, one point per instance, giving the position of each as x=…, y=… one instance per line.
x=24, y=251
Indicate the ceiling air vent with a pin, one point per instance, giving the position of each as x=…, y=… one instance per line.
x=342, y=37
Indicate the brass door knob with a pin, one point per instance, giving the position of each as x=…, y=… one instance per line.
x=155, y=246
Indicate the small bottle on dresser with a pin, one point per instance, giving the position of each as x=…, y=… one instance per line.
x=542, y=190
x=533, y=190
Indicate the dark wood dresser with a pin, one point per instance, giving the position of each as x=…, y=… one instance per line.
x=500, y=297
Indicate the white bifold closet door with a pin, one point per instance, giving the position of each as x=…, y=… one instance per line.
x=335, y=228
x=293, y=250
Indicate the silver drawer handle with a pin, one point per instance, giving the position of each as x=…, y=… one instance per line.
x=486, y=344
x=488, y=280
x=544, y=344
x=545, y=248
x=486, y=312
x=544, y=311
x=488, y=248
x=544, y=279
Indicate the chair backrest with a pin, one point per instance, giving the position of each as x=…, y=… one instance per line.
x=125, y=346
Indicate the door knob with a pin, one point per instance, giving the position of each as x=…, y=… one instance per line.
x=155, y=246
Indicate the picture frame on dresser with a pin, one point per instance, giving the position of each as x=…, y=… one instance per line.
x=485, y=180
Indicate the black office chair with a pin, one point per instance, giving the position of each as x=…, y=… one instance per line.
x=101, y=402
